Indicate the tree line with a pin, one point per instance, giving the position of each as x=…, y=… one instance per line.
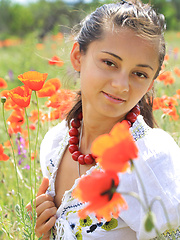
x=45, y=16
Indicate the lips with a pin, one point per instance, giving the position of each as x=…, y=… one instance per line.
x=113, y=97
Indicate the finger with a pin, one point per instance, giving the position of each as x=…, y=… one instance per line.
x=42, y=189
x=42, y=207
x=39, y=200
x=28, y=206
x=44, y=186
x=45, y=228
x=45, y=216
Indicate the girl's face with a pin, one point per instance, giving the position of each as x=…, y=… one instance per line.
x=116, y=72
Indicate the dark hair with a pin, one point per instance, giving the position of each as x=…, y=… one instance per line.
x=135, y=15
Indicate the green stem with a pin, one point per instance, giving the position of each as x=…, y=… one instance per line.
x=32, y=195
x=136, y=196
x=164, y=209
x=14, y=158
x=37, y=135
x=6, y=231
x=149, y=206
x=141, y=183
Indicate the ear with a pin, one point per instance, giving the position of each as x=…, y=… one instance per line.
x=76, y=57
x=151, y=85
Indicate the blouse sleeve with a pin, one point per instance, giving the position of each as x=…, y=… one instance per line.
x=50, y=147
x=158, y=165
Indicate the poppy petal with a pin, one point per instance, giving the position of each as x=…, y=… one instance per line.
x=21, y=95
x=34, y=80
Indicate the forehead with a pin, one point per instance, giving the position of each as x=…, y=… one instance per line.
x=125, y=42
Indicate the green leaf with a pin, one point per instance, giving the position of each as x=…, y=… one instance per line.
x=149, y=221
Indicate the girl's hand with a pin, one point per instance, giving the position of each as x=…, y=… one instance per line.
x=46, y=211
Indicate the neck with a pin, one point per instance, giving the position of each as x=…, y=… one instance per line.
x=94, y=126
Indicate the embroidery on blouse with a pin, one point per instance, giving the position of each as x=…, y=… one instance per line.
x=139, y=129
x=68, y=214
x=170, y=235
x=51, y=162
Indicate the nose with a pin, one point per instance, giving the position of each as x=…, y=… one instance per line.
x=120, y=81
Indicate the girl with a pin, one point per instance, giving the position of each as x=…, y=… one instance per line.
x=118, y=53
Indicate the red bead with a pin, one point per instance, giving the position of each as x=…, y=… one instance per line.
x=136, y=110
x=131, y=116
x=129, y=123
x=93, y=156
x=75, y=123
x=75, y=155
x=73, y=132
x=73, y=148
x=81, y=159
x=73, y=140
x=88, y=159
x=80, y=116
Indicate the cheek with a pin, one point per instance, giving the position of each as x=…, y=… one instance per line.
x=91, y=79
x=140, y=89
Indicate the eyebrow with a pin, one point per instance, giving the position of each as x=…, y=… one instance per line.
x=114, y=55
x=146, y=66
x=138, y=65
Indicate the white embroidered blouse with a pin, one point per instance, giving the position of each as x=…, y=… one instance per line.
x=159, y=167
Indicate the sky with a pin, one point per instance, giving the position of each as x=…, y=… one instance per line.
x=67, y=1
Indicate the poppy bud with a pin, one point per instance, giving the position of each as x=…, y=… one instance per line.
x=3, y=99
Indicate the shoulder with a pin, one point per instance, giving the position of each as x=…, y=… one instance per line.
x=50, y=145
x=159, y=170
x=154, y=142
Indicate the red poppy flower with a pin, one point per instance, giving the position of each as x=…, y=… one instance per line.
x=116, y=149
x=177, y=96
x=47, y=90
x=166, y=77
x=21, y=95
x=40, y=46
x=9, y=104
x=34, y=80
x=33, y=156
x=4, y=93
x=16, y=117
x=169, y=102
x=3, y=83
x=54, y=115
x=169, y=80
x=34, y=116
x=99, y=190
x=177, y=71
x=7, y=144
x=176, y=50
x=55, y=81
x=14, y=128
x=167, y=105
x=55, y=60
x=32, y=126
x=171, y=112
x=3, y=156
x=58, y=36
x=166, y=57
x=60, y=98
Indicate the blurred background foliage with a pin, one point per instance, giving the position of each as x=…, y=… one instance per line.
x=55, y=16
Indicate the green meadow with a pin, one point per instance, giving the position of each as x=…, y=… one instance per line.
x=32, y=55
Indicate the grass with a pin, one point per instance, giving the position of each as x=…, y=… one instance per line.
x=25, y=57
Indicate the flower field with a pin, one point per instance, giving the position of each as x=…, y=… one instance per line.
x=26, y=114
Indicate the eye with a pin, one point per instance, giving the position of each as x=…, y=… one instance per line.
x=109, y=63
x=140, y=75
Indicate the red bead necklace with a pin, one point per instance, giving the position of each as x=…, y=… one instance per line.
x=74, y=133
